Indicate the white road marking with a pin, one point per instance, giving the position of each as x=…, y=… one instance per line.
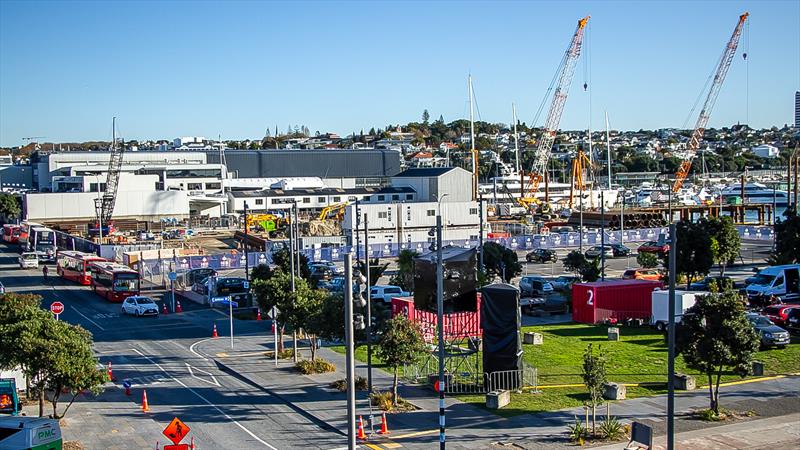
x=206, y=401
x=191, y=348
x=213, y=378
x=90, y=320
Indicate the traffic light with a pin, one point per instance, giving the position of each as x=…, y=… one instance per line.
x=360, y=289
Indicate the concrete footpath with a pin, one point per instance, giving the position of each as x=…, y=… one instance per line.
x=469, y=426
x=781, y=432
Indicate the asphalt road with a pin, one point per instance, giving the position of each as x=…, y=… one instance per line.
x=156, y=354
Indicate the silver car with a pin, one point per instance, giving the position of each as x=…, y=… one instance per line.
x=28, y=260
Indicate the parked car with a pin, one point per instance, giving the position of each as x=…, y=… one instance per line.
x=552, y=305
x=777, y=313
x=620, y=250
x=594, y=252
x=336, y=284
x=653, y=247
x=721, y=282
x=541, y=255
x=192, y=276
x=139, y=305
x=329, y=264
x=642, y=274
x=321, y=272
x=28, y=260
x=564, y=282
x=385, y=293
x=793, y=320
x=771, y=334
x=534, y=285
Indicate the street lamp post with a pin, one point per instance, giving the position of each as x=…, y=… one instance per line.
x=671, y=340
x=602, y=237
x=348, y=338
x=369, y=309
x=246, y=239
x=480, y=231
x=440, y=326
x=292, y=271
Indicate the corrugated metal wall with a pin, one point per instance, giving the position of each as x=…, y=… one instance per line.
x=596, y=302
x=311, y=163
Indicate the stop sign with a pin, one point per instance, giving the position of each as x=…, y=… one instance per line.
x=56, y=307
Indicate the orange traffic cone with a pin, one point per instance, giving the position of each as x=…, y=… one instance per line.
x=178, y=307
x=191, y=445
x=384, y=425
x=361, y=434
x=145, y=406
x=258, y=317
x=164, y=310
x=214, y=333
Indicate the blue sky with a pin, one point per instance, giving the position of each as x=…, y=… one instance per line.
x=168, y=69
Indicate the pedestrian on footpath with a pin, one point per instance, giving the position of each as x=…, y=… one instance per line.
x=44, y=272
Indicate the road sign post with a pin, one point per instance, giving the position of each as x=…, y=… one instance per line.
x=274, y=317
x=172, y=277
x=57, y=308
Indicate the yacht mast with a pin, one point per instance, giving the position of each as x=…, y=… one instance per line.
x=608, y=152
x=516, y=136
x=473, y=152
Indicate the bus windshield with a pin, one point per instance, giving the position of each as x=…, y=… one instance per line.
x=126, y=282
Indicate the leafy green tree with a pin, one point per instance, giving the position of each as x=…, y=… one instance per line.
x=310, y=315
x=713, y=336
x=283, y=259
x=594, y=377
x=376, y=269
x=405, y=270
x=277, y=291
x=400, y=343
x=425, y=117
x=787, y=239
x=693, y=256
x=261, y=272
x=647, y=260
x=27, y=335
x=574, y=261
x=500, y=261
x=9, y=205
x=725, y=241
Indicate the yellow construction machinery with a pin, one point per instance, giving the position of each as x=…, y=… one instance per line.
x=269, y=223
x=335, y=212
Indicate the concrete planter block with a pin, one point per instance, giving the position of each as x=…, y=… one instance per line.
x=613, y=334
x=685, y=382
x=614, y=391
x=758, y=368
x=533, y=338
x=498, y=399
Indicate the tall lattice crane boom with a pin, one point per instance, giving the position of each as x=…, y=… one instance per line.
x=566, y=71
x=705, y=113
x=112, y=181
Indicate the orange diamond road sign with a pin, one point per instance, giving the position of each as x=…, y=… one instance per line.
x=176, y=431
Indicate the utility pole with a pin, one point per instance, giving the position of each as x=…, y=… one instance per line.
x=480, y=232
x=671, y=340
x=369, y=312
x=246, y=244
x=348, y=338
x=440, y=323
x=291, y=261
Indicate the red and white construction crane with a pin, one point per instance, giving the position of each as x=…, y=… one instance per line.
x=566, y=71
x=705, y=113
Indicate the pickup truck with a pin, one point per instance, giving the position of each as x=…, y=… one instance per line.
x=386, y=293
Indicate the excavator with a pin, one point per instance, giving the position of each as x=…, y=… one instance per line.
x=267, y=223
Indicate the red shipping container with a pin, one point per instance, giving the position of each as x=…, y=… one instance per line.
x=620, y=299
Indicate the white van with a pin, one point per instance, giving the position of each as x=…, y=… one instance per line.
x=660, y=306
x=780, y=281
x=29, y=432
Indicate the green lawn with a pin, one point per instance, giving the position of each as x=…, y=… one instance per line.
x=640, y=356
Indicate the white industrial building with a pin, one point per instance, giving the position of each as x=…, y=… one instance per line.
x=151, y=205
x=766, y=151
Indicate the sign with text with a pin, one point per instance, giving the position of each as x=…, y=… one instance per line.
x=56, y=308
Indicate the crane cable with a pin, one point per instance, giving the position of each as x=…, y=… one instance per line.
x=747, y=72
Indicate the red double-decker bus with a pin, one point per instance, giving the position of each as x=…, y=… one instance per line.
x=14, y=234
x=113, y=281
x=74, y=266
